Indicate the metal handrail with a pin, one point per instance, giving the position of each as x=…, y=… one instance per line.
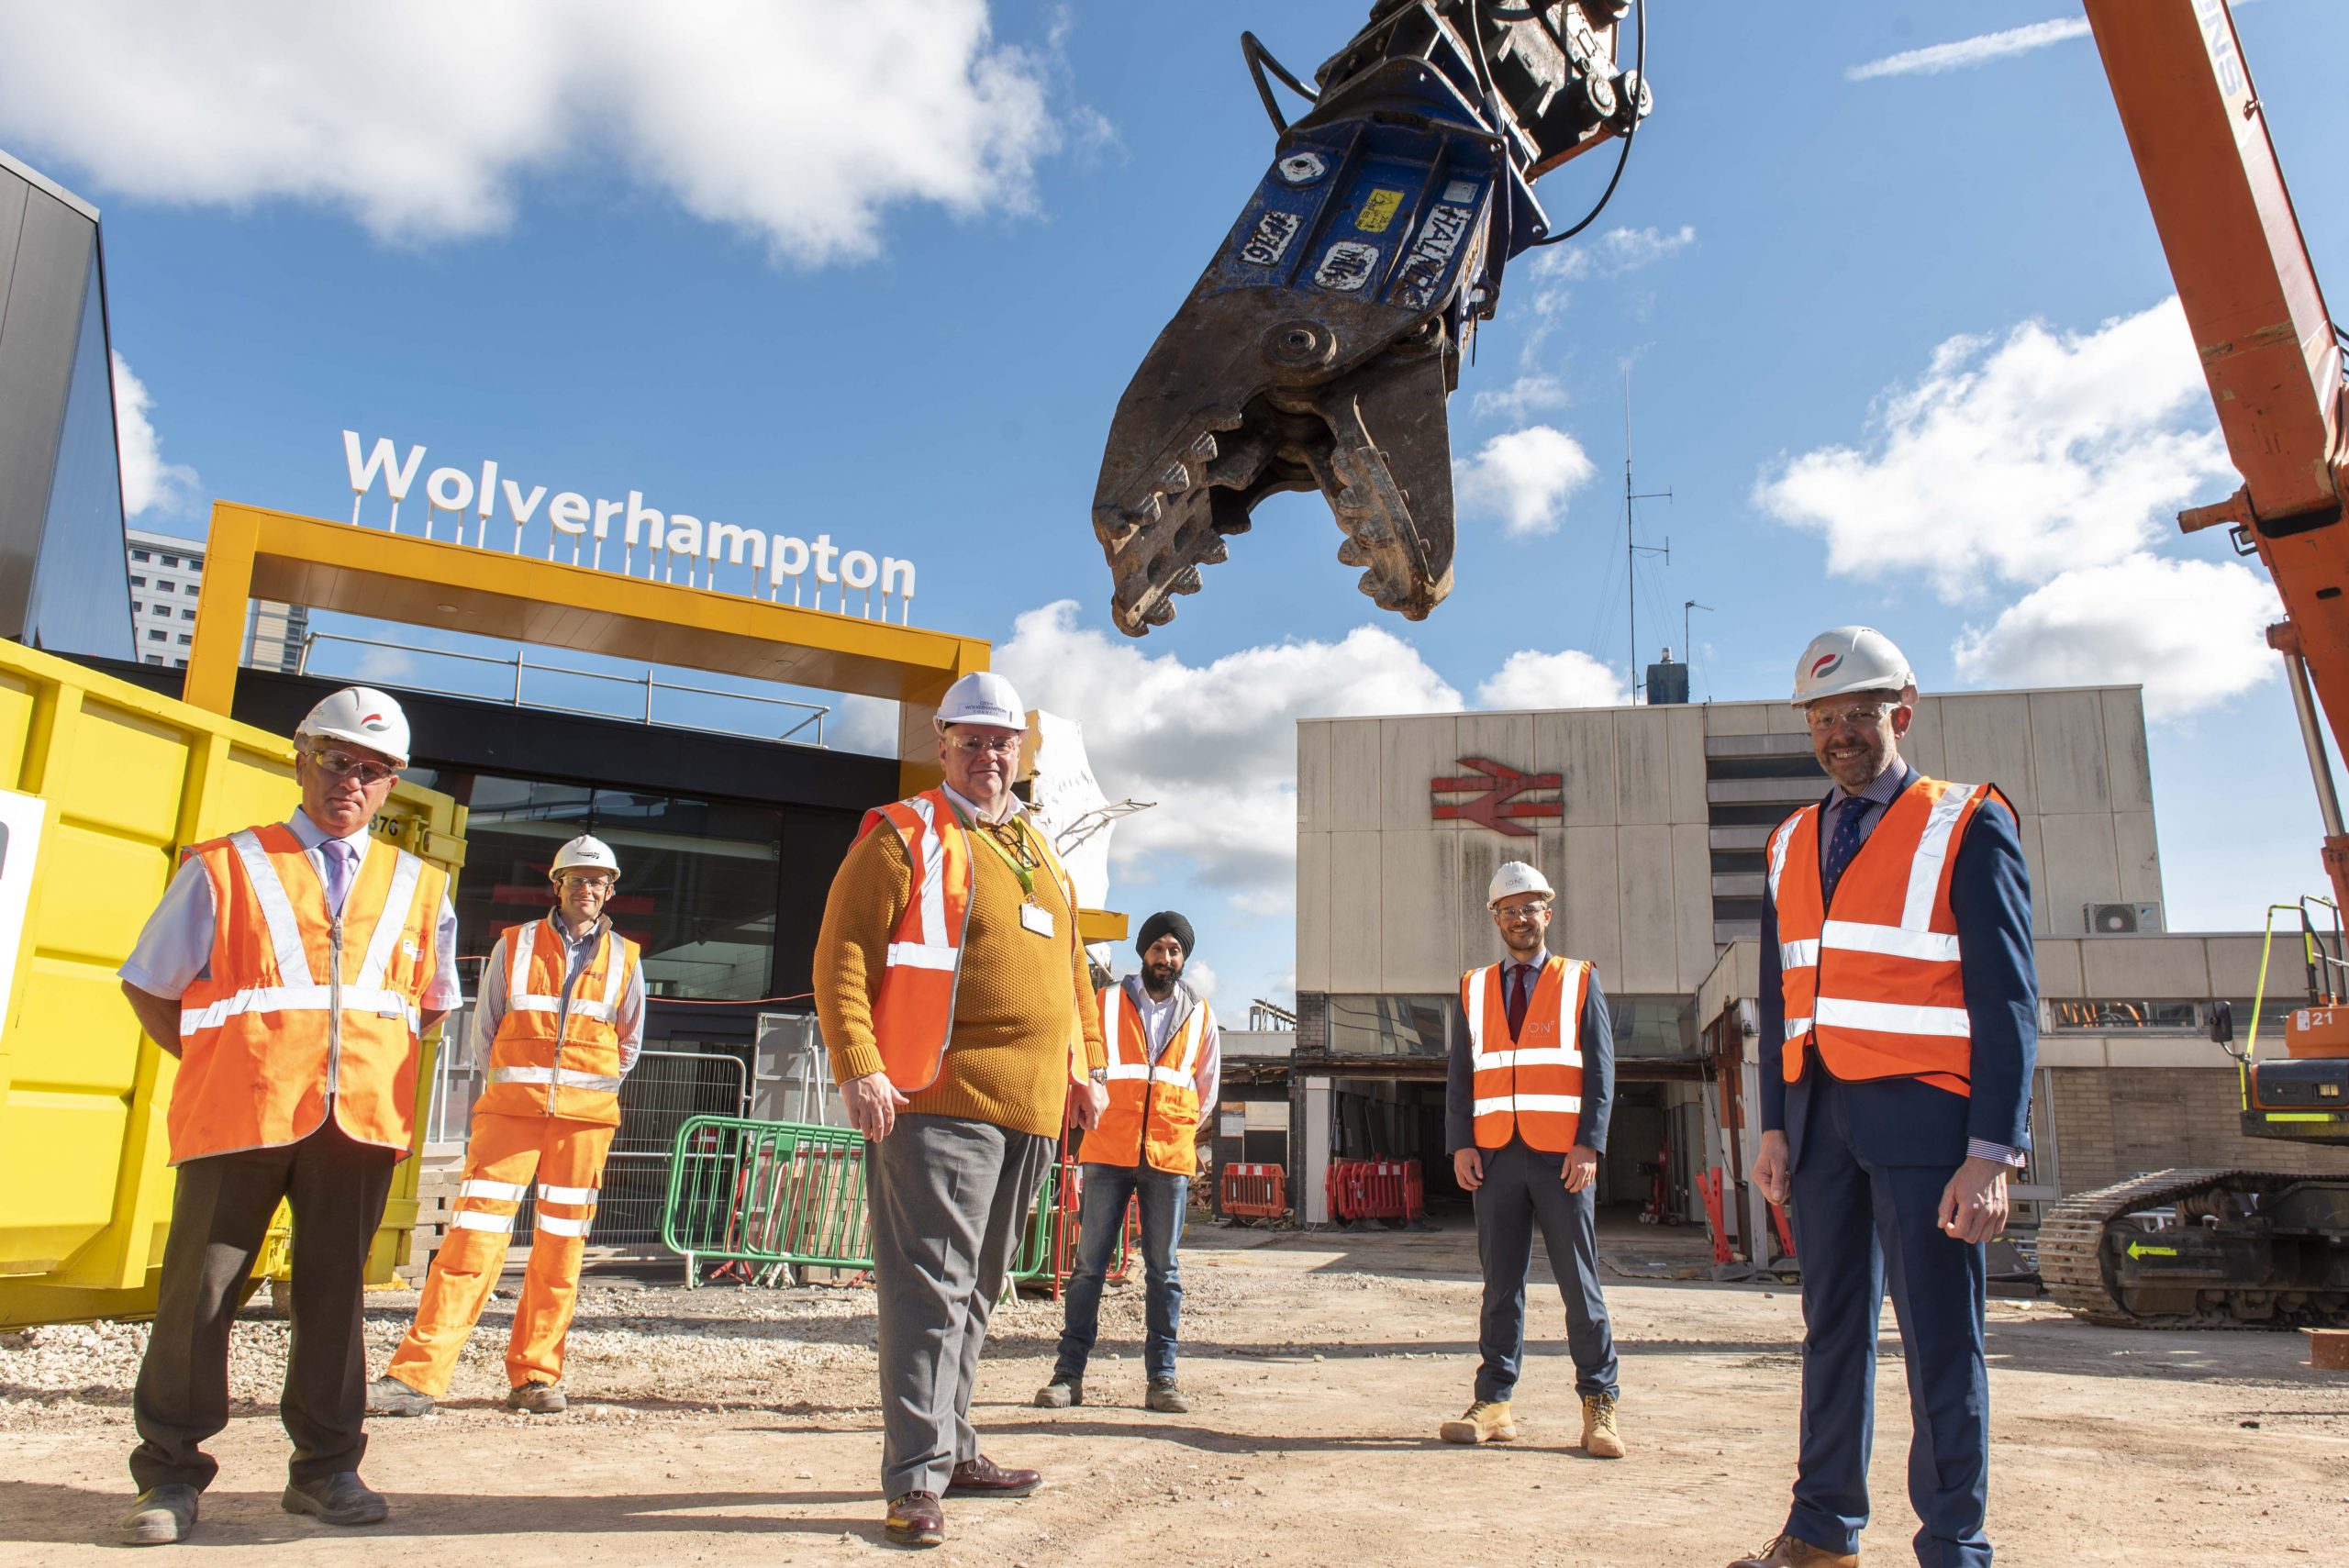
x=520, y=662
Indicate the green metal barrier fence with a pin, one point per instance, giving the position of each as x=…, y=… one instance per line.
x=781, y=1194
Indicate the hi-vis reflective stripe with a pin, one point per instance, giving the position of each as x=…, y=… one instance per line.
x=501, y=1192
x=607, y=1009
x=391, y=922
x=1113, y=1020
x=554, y=1078
x=276, y=910
x=1925, y=870
x=567, y=1194
x=303, y=998
x=933, y=887
x=1896, y=941
x=1798, y=955
x=1543, y=1056
x=1522, y=1103
x=919, y=955
x=556, y=1224
x=1476, y=1011
x=1797, y=1028
x=1778, y=841
x=1134, y=1072
x=518, y=998
x=473, y=1219
x=1888, y=1017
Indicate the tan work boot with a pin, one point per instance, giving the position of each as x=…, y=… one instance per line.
x=1486, y=1421
x=1787, y=1552
x=1600, y=1438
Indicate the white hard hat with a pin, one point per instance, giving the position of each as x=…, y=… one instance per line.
x=984, y=697
x=364, y=717
x=1515, y=877
x=589, y=851
x=1849, y=658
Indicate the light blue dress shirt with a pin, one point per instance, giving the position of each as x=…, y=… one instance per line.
x=174, y=949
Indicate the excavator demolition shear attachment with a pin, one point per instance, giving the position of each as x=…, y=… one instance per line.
x=1316, y=349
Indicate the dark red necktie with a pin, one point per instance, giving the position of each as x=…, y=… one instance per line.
x=1519, y=977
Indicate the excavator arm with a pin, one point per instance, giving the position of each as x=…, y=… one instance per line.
x=2269, y=349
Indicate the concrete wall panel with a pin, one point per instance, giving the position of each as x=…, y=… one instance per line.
x=1588, y=923
x=2129, y=772
x=1419, y=888
x=1354, y=912
x=1986, y=739
x=1692, y=905
x=2139, y=856
x=1413, y=751
x=1923, y=745
x=1313, y=912
x=1651, y=961
x=1580, y=746
x=1733, y=718
x=2067, y=753
x=2058, y=960
x=2158, y=968
x=1350, y=788
x=2035, y=862
x=1642, y=765
x=1312, y=777
x=1685, y=727
x=2082, y=868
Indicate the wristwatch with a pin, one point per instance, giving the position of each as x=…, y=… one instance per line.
x=1100, y=1075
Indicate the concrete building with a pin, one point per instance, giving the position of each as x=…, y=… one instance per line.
x=1651, y=822
x=166, y=574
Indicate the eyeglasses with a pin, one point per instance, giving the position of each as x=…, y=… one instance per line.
x=343, y=765
x=975, y=745
x=1864, y=717
x=1523, y=911
x=572, y=881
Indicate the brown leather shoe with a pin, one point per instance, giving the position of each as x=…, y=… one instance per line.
x=982, y=1477
x=916, y=1520
x=1787, y=1552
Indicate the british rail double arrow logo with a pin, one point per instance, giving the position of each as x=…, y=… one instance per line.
x=1495, y=802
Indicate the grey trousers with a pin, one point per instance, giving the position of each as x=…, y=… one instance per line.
x=948, y=1197
x=1523, y=1192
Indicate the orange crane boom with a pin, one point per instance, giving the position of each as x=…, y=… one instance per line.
x=2269, y=349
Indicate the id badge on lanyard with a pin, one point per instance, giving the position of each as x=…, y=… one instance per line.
x=1036, y=918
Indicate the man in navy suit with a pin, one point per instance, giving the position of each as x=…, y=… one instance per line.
x=1900, y=1021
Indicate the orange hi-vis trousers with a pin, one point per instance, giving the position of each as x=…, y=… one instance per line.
x=505, y=1153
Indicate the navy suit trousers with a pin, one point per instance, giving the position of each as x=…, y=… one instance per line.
x=1863, y=1226
x=1524, y=1189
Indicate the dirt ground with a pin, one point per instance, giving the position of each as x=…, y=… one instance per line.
x=725, y=1425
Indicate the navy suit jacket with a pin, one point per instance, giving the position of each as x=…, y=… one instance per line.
x=1596, y=1040
x=1901, y=1121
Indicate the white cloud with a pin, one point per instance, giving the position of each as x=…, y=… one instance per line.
x=1530, y=678
x=1525, y=477
x=1526, y=395
x=1979, y=49
x=2191, y=630
x=2018, y=459
x=868, y=725
x=798, y=121
x=149, y=484
x=1215, y=745
x=1613, y=253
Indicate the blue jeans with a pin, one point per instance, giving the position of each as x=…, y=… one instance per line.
x=1102, y=1216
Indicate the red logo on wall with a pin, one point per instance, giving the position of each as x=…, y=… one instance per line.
x=1495, y=802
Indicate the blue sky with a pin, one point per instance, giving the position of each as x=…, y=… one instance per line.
x=1897, y=338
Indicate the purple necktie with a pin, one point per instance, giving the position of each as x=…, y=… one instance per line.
x=338, y=857
x=1519, y=977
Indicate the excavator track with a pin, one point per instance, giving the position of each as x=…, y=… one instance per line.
x=2084, y=1246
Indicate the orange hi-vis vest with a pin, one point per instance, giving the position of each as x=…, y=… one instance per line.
x=913, y=1015
x=1154, y=1111
x=543, y=1062
x=1529, y=1087
x=298, y=1008
x=1874, y=984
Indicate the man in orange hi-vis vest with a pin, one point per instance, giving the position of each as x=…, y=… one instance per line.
x=1532, y=1081
x=1899, y=1007
x=293, y=969
x=1165, y=1063
x=557, y=1027
x=957, y=1004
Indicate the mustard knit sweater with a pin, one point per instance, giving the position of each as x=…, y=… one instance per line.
x=1020, y=998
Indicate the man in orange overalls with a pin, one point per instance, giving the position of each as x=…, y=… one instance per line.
x=560, y=1021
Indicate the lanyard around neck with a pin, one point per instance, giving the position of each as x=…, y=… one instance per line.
x=1019, y=866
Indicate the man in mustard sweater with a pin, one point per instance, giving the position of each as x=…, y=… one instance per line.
x=955, y=999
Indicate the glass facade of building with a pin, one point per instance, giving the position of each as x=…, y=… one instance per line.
x=699, y=882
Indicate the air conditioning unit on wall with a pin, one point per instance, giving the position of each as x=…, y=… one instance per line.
x=2122, y=919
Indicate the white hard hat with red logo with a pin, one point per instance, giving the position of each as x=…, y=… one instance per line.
x=1850, y=659
x=586, y=853
x=362, y=717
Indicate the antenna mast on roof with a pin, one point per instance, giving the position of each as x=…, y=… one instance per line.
x=1632, y=548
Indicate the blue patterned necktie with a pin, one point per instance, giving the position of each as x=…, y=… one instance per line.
x=1844, y=844
x=339, y=858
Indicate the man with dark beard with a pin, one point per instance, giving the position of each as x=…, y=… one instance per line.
x=1165, y=1068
